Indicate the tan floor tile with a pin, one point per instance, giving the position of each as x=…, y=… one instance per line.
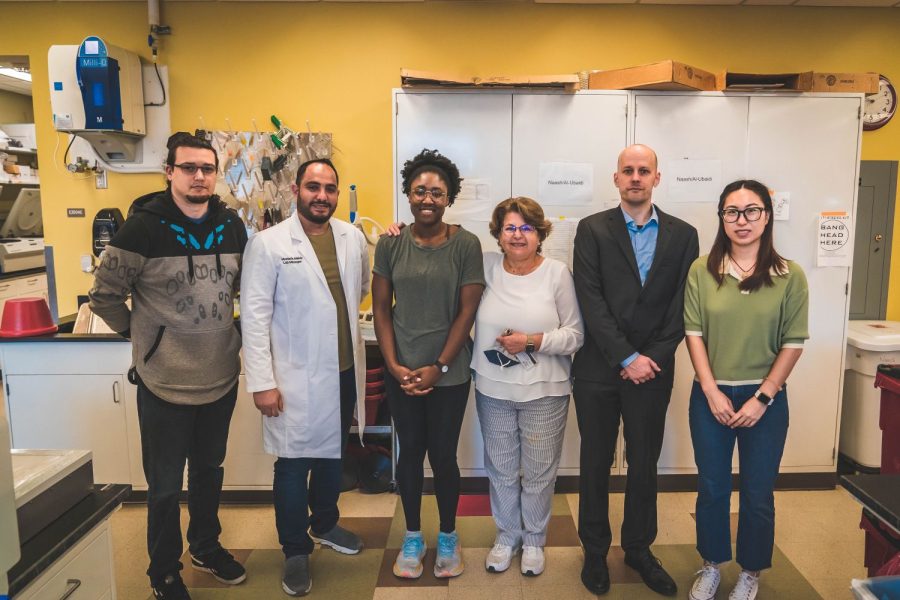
x=822, y=562
x=492, y=593
x=560, y=505
x=676, y=528
x=133, y=593
x=569, y=590
x=797, y=526
x=429, y=593
x=811, y=500
x=572, y=499
x=356, y=503
x=840, y=524
x=833, y=589
x=669, y=503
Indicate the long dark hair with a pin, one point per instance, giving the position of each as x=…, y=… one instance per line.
x=766, y=258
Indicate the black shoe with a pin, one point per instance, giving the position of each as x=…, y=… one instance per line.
x=222, y=566
x=170, y=588
x=652, y=573
x=595, y=574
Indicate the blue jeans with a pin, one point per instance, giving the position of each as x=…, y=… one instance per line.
x=760, y=448
x=295, y=499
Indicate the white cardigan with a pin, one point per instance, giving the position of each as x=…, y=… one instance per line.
x=541, y=302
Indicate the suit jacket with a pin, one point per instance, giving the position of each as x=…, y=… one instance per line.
x=622, y=317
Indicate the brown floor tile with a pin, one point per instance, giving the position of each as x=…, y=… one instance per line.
x=386, y=577
x=374, y=531
x=619, y=572
x=561, y=531
x=199, y=579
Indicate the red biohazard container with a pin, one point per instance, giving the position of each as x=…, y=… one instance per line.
x=888, y=380
x=25, y=317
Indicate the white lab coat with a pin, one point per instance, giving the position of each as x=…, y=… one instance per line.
x=289, y=327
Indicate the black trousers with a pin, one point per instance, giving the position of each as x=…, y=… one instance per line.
x=643, y=413
x=432, y=424
x=170, y=435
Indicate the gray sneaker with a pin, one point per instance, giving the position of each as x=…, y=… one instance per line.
x=295, y=578
x=345, y=542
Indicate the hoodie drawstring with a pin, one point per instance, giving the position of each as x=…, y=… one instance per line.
x=190, y=257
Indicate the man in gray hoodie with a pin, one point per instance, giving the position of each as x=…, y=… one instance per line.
x=179, y=257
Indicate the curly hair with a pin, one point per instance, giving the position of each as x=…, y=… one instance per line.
x=432, y=161
x=531, y=212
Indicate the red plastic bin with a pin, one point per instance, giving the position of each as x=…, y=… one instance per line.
x=889, y=420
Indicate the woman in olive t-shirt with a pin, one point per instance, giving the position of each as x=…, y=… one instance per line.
x=433, y=275
x=745, y=319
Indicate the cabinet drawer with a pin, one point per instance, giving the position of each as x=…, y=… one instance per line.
x=31, y=287
x=90, y=568
x=9, y=288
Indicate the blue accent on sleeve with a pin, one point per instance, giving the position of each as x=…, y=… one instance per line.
x=630, y=359
x=220, y=228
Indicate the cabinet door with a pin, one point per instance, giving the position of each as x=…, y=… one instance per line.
x=72, y=412
x=809, y=147
x=554, y=128
x=472, y=130
x=691, y=127
x=246, y=463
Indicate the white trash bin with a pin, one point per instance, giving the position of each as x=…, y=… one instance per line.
x=869, y=344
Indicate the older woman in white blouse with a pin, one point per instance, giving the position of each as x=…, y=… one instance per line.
x=527, y=327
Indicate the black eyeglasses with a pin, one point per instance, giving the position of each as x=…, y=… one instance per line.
x=421, y=193
x=751, y=213
x=190, y=169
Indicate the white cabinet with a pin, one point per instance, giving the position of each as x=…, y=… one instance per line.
x=72, y=411
x=32, y=286
x=85, y=572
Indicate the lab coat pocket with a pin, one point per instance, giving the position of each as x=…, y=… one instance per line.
x=293, y=383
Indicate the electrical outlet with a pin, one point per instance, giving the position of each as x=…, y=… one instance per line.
x=100, y=180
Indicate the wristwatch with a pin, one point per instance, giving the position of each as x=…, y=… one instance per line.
x=529, y=344
x=759, y=395
x=441, y=366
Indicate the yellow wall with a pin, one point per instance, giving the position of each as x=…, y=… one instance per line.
x=15, y=108
x=336, y=63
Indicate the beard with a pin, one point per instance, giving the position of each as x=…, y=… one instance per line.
x=198, y=199
x=306, y=211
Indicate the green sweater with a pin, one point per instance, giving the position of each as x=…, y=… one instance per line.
x=744, y=332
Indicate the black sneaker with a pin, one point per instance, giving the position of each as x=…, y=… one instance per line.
x=171, y=588
x=222, y=566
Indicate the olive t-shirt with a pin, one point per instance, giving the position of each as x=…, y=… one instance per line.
x=327, y=254
x=426, y=282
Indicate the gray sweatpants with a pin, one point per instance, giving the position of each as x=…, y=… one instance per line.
x=526, y=435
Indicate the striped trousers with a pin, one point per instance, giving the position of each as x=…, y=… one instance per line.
x=527, y=436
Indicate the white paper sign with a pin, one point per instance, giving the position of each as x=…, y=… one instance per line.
x=781, y=204
x=835, y=240
x=560, y=244
x=473, y=203
x=694, y=180
x=565, y=183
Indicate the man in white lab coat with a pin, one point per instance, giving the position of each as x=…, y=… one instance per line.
x=304, y=359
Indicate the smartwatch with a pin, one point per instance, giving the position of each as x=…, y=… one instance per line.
x=759, y=395
x=529, y=344
x=441, y=366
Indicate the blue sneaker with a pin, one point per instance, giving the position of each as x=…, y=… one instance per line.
x=409, y=561
x=449, y=562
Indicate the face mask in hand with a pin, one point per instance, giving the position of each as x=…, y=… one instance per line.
x=496, y=357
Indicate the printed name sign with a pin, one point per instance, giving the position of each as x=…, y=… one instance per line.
x=693, y=180
x=565, y=183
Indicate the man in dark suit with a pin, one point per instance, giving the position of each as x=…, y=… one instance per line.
x=630, y=266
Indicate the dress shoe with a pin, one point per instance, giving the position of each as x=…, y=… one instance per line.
x=595, y=574
x=652, y=572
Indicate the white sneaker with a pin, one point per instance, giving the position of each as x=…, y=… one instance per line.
x=746, y=588
x=532, y=560
x=499, y=557
x=706, y=585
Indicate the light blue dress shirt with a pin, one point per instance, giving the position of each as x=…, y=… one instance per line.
x=643, y=242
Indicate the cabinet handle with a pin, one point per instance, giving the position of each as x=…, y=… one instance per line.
x=116, y=392
x=31, y=281
x=75, y=583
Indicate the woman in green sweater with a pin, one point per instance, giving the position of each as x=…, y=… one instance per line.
x=745, y=319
